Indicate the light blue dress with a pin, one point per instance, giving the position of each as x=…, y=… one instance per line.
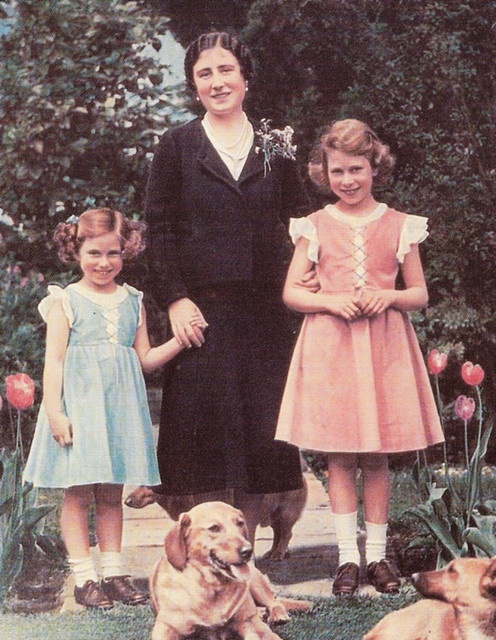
x=104, y=396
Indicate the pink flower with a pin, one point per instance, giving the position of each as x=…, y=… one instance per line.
x=19, y=389
x=464, y=407
x=472, y=374
x=436, y=361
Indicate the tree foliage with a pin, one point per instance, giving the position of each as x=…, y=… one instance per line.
x=81, y=109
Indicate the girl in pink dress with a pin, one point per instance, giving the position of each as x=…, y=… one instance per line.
x=357, y=387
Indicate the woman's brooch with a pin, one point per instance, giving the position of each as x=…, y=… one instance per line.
x=274, y=142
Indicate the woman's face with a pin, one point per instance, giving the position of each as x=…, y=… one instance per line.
x=219, y=81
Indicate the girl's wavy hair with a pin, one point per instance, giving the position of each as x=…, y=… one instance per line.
x=70, y=235
x=353, y=137
x=211, y=40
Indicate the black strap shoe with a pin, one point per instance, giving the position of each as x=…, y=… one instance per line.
x=346, y=580
x=384, y=576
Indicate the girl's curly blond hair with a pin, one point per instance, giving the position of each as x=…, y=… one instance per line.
x=70, y=235
x=353, y=137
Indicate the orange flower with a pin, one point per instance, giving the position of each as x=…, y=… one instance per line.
x=436, y=362
x=19, y=389
x=472, y=374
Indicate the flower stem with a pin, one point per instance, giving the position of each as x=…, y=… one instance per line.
x=440, y=409
x=473, y=488
x=467, y=459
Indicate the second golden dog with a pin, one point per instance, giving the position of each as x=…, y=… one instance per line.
x=461, y=605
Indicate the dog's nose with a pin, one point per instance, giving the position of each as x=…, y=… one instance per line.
x=246, y=552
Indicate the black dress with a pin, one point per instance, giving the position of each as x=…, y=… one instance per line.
x=223, y=243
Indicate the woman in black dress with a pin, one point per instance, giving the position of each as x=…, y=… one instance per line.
x=218, y=243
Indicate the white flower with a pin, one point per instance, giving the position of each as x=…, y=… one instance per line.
x=6, y=219
x=274, y=142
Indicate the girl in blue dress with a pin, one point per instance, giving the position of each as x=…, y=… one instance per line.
x=94, y=429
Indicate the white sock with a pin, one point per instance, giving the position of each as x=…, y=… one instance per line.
x=375, y=545
x=83, y=570
x=111, y=565
x=345, y=525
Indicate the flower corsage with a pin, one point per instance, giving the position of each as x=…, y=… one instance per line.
x=274, y=142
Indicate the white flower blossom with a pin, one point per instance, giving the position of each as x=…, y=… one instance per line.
x=274, y=142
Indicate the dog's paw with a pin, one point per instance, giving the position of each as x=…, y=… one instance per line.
x=276, y=613
x=276, y=554
x=140, y=497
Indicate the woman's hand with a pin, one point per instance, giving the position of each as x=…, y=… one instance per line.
x=309, y=281
x=344, y=305
x=61, y=429
x=373, y=302
x=187, y=322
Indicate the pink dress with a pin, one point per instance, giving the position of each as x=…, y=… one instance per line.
x=358, y=386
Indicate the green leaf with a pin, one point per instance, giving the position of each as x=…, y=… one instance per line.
x=482, y=537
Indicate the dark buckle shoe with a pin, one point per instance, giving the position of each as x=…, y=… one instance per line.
x=384, y=576
x=346, y=580
x=121, y=589
x=90, y=595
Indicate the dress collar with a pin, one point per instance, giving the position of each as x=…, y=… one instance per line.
x=107, y=300
x=353, y=221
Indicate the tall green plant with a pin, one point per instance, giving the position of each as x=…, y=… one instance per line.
x=19, y=513
x=459, y=521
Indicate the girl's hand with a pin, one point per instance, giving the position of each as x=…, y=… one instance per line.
x=372, y=302
x=61, y=429
x=187, y=322
x=344, y=305
x=309, y=281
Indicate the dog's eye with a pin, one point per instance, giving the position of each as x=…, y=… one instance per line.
x=214, y=528
x=451, y=569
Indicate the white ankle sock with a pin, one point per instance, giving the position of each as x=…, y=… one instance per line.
x=345, y=526
x=111, y=565
x=375, y=545
x=83, y=570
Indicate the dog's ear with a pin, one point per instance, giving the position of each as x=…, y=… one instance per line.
x=488, y=581
x=175, y=543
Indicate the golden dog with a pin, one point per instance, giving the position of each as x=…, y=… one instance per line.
x=464, y=607
x=279, y=510
x=204, y=582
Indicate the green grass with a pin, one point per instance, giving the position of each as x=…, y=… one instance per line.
x=336, y=619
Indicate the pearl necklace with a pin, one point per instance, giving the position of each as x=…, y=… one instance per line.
x=233, y=150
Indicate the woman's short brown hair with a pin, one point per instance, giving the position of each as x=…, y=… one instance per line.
x=353, y=137
x=70, y=235
x=211, y=40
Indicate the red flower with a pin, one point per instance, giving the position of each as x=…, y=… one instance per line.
x=19, y=389
x=464, y=407
x=472, y=374
x=436, y=361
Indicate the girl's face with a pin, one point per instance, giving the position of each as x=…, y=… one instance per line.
x=350, y=179
x=100, y=260
x=219, y=82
